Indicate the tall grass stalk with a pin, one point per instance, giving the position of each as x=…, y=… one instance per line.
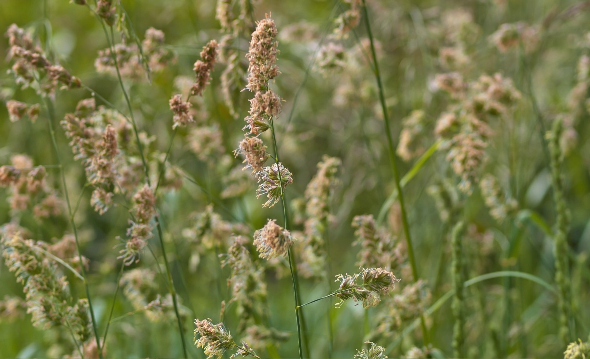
x=106, y=331
x=51, y=119
x=405, y=224
x=292, y=263
x=458, y=304
x=110, y=42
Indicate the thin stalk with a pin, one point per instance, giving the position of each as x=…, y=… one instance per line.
x=60, y=261
x=317, y=300
x=51, y=116
x=106, y=331
x=534, y=103
x=459, y=297
x=328, y=269
x=172, y=290
x=405, y=224
x=69, y=326
x=165, y=160
x=79, y=199
x=292, y=265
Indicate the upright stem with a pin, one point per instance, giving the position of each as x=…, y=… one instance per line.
x=458, y=284
x=147, y=177
x=405, y=224
x=292, y=264
x=106, y=331
x=72, y=222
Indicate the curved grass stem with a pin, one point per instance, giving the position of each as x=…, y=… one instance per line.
x=405, y=224
x=51, y=118
x=106, y=331
x=111, y=41
x=292, y=264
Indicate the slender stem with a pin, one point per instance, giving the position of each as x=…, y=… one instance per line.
x=79, y=200
x=69, y=326
x=405, y=224
x=60, y=261
x=51, y=116
x=534, y=103
x=317, y=300
x=165, y=160
x=111, y=42
x=292, y=265
x=106, y=331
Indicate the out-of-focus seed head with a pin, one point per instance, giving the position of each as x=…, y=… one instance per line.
x=499, y=204
x=213, y=338
x=181, y=110
x=511, y=35
x=577, y=350
x=272, y=240
x=204, y=67
x=375, y=282
x=106, y=11
x=331, y=59
x=374, y=352
x=254, y=152
x=17, y=110
x=409, y=146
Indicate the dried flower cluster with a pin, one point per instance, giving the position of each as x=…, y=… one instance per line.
x=211, y=231
x=272, y=182
x=331, y=59
x=94, y=137
x=466, y=127
x=47, y=292
x=141, y=289
x=232, y=26
x=31, y=65
x=375, y=283
x=405, y=307
x=17, y=110
x=129, y=61
x=318, y=194
x=378, y=248
x=248, y=292
x=264, y=108
x=409, y=146
x=374, y=352
x=206, y=142
x=254, y=151
x=499, y=204
x=216, y=340
x=105, y=10
x=513, y=35
x=140, y=230
x=421, y=353
x=204, y=67
x=579, y=350
x=348, y=20
x=28, y=188
x=272, y=240
x=181, y=111
x=446, y=199
x=12, y=308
